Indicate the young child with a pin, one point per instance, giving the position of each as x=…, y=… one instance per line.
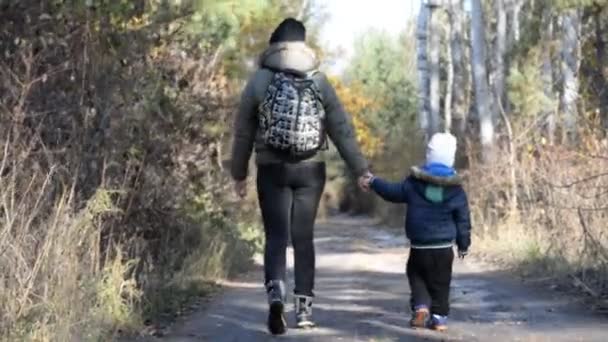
x=437, y=215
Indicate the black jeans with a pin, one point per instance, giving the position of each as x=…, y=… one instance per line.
x=429, y=272
x=289, y=196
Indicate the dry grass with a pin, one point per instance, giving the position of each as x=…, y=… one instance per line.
x=54, y=287
x=542, y=212
x=558, y=226
x=114, y=208
x=59, y=284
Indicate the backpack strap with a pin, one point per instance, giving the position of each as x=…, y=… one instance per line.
x=312, y=75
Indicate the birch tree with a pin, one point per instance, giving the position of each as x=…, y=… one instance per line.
x=423, y=69
x=513, y=14
x=547, y=72
x=304, y=6
x=570, y=28
x=458, y=101
x=447, y=118
x=434, y=49
x=500, y=52
x=600, y=54
x=478, y=66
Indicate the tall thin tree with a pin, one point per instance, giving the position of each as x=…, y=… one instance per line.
x=435, y=69
x=480, y=81
x=423, y=68
x=570, y=26
x=457, y=54
x=449, y=87
x=600, y=55
x=513, y=8
x=547, y=72
x=500, y=52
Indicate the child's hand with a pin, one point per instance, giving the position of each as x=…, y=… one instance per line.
x=462, y=254
x=365, y=180
x=240, y=188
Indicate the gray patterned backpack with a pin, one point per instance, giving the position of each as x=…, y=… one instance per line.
x=292, y=116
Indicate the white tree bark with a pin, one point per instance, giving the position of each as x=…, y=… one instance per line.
x=500, y=54
x=434, y=68
x=516, y=25
x=513, y=8
x=478, y=65
x=303, y=8
x=570, y=25
x=449, y=84
x=600, y=55
x=423, y=68
x=459, y=70
x=547, y=73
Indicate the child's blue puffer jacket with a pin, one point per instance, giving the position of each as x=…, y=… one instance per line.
x=437, y=208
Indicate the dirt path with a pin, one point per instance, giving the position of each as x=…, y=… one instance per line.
x=362, y=295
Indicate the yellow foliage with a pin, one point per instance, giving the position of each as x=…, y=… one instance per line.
x=138, y=22
x=357, y=104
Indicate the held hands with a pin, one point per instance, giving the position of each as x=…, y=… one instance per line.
x=365, y=181
x=462, y=254
x=240, y=188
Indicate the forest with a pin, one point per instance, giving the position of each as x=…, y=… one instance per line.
x=116, y=207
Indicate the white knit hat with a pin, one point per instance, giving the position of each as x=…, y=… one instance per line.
x=441, y=149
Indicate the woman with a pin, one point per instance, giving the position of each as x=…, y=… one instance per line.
x=290, y=184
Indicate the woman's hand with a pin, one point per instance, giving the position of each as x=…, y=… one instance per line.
x=365, y=181
x=240, y=188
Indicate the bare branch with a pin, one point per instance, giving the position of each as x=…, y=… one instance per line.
x=602, y=251
x=583, y=180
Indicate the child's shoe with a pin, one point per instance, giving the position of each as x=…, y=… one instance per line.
x=438, y=323
x=420, y=317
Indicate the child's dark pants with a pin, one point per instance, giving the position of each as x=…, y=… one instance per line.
x=429, y=272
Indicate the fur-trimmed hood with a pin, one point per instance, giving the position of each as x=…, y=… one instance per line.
x=437, y=208
x=296, y=58
x=434, y=188
x=420, y=174
x=289, y=56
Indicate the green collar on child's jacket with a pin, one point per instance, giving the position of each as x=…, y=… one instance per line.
x=418, y=173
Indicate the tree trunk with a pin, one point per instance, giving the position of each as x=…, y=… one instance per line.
x=304, y=6
x=571, y=20
x=423, y=68
x=514, y=11
x=516, y=25
x=512, y=163
x=434, y=68
x=447, y=118
x=480, y=81
x=602, y=82
x=547, y=74
x=459, y=85
x=500, y=53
